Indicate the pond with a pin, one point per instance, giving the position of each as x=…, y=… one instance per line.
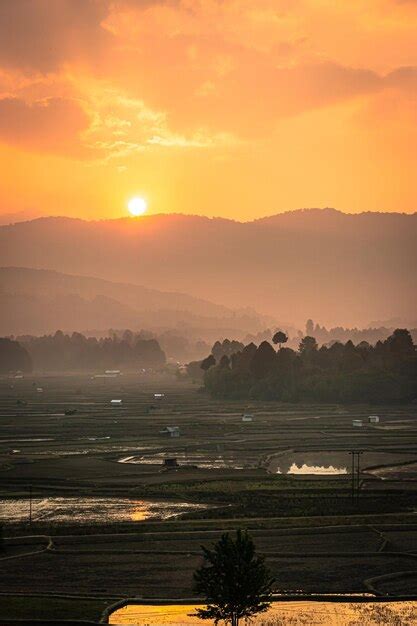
x=316, y=470
x=193, y=459
x=332, y=462
x=320, y=463
x=90, y=510
x=294, y=613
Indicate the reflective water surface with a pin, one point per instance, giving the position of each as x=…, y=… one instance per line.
x=294, y=613
x=338, y=462
x=201, y=460
x=316, y=470
x=89, y=510
x=320, y=463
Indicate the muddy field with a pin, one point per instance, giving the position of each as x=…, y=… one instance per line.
x=339, y=560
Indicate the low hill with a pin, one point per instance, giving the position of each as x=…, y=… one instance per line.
x=41, y=301
x=337, y=267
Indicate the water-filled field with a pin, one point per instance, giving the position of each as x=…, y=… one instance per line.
x=89, y=510
x=335, y=463
x=294, y=613
x=113, y=487
x=72, y=434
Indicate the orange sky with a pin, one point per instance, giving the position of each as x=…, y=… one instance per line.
x=237, y=108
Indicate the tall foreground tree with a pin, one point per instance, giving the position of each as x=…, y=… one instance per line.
x=234, y=580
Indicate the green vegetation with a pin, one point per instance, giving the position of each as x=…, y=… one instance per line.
x=386, y=372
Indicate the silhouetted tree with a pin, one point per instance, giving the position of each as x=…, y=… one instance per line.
x=234, y=581
x=280, y=338
x=309, y=328
x=61, y=352
x=13, y=357
x=208, y=362
x=400, y=343
x=307, y=345
x=227, y=348
x=224, y=361
x=195, y=371
x=262, y=360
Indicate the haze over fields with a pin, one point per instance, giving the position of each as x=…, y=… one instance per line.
x=38, y=301
x=334, y=267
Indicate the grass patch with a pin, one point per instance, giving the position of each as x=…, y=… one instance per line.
x=28, y=607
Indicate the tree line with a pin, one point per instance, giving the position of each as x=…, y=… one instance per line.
x=338, y=372
x=62, y=352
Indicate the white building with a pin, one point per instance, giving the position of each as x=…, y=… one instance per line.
x=373, y=419
x=247, y=417
x=116, y=402
x=357, y=423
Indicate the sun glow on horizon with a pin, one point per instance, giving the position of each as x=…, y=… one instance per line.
x=137, y=206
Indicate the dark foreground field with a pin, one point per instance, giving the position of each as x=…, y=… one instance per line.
x=96, y=480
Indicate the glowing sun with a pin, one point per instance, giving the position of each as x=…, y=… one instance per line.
x=137, y=206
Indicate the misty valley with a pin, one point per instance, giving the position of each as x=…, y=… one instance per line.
x=208, y=313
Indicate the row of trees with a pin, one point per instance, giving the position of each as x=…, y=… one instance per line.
x=325, y=335
x=386, y=372
x=61, y=352
x=173, y=342
x=13, y=357
x=357, y=335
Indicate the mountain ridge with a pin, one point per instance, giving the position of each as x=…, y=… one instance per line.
x=38, y=301
x=343, y=269
x=303, y=212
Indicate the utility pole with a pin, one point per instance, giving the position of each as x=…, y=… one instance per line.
x=30, y=505
x=352, y=477
x=358, y=458
x=355, y=477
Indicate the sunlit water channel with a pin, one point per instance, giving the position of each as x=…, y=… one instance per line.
x=294, y=613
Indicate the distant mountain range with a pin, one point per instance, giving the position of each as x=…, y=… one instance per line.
x=324, y=264
x=42, y=301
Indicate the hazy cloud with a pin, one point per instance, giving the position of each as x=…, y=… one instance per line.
x=40, y=35
x=51, y=125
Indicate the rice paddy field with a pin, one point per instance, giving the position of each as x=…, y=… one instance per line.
x=297, y=613
x=104, y=501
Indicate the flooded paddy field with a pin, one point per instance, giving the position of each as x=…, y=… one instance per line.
x=74, y=417
x=113, y=491
x=331, y=463
x=70, y=441
x=294, y=612
x=89, y=510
